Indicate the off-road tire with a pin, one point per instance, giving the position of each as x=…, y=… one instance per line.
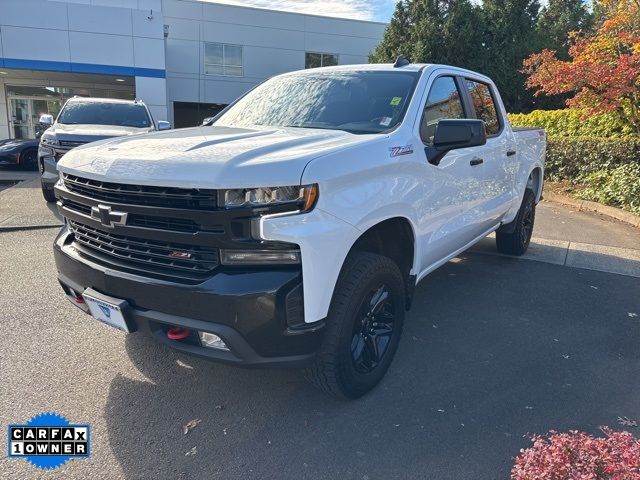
x=515, y=237
x=48, y=193
x=333, y=370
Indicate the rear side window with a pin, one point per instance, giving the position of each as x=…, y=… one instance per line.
x=484, y=105
x=443, y=102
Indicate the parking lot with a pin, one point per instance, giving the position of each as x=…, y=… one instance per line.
x=494, y=349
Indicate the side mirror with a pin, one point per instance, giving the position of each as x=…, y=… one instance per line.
x=46, y=119
x=163, y=125
x=453, y=134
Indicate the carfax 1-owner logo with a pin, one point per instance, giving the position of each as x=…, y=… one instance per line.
x=48, y=440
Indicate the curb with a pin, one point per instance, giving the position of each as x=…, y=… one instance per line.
x=586, y=205
x=17, y=228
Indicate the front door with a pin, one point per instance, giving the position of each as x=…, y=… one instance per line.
x=451, y=205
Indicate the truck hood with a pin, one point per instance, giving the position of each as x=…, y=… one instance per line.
x=89, y=133
x=208, y=157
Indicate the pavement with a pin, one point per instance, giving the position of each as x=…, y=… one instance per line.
x=22, y=205
x=494, y=349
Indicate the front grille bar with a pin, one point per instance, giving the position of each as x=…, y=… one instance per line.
x=148, y=252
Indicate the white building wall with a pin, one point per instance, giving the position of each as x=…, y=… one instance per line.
x=117, y=37
x=129, y=34
x=273, y=42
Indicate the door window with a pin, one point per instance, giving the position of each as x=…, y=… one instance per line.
x=484, y=105
x=443, y=102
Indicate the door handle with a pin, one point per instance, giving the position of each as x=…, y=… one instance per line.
x=511, y=153
x=476, y=161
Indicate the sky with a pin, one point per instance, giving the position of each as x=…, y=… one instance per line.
x=378, y=10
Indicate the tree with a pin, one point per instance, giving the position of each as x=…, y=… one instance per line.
x=557, y=19
x=509, y=37
x=603, y=72
x=433, y=31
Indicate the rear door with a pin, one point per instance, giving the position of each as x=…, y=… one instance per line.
x=451, y=207
x=498, y=155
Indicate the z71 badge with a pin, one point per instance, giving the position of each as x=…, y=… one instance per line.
x=403, y=150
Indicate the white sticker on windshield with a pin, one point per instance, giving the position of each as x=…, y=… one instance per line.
x=386, y=121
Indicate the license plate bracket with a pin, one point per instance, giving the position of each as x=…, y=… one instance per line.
x=106, y=309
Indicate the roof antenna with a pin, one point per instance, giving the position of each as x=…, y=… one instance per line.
x=401, y=61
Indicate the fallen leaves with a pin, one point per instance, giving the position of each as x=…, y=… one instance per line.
x=627, y=422
x=190, y=425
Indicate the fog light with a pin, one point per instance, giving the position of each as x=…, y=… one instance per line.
x=259, y=257
x=211, y=340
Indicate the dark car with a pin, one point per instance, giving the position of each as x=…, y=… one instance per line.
x=19, y=152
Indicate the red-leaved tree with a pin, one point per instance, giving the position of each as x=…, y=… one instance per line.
x=604, y=70
x=579, y=456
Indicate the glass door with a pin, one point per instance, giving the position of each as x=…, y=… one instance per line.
x=21, y=118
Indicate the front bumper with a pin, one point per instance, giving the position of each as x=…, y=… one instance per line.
x=256, y=311
x=47, y=166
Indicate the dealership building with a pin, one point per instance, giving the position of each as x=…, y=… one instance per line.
x=186, y=59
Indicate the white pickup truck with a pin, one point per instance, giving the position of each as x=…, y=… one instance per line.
x=293, y=230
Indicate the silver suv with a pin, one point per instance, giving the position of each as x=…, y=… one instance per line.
x=84, y=120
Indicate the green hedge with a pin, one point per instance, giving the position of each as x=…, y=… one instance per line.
x=608, y=168
x=570, y=123
x=619, y=187
x=576, y=158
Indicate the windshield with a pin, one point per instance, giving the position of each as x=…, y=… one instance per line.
x=97, y=113
x=357, y=102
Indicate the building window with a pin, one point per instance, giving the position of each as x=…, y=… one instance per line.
x=315, y=60
x=222, y=59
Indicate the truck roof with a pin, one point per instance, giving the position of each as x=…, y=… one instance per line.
x=102, y=100
x=389, y=67
x=412, y=67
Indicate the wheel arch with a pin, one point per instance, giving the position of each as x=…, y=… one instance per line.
x=395, y=238
x=535, y=182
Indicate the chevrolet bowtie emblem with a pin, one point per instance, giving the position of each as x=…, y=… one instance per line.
x=108, y=217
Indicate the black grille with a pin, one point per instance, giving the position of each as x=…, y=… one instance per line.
x=70, y=144
x=145, y=221
x=155, y=254
x=161, y=223
x=64, y=146
x=170, y=197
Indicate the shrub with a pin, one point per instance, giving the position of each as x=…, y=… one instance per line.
x=576, y=158
x=570, y=123
x=619, y=187
x=579, y=456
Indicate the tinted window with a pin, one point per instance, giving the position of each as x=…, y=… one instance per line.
x=443, y=102
x=95, y=113
x=357, y=102
x=484, y=105
x=315, y=60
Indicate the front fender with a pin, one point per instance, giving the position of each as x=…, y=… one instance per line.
x=324, y=241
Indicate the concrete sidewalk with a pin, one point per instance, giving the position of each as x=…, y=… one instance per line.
x=22, y=205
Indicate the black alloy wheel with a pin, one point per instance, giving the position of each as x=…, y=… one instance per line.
x=372, y=330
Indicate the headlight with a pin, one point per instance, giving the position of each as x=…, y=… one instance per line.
x=49, y=139
x=301, y=198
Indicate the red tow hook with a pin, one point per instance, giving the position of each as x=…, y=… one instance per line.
x=178, y=333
